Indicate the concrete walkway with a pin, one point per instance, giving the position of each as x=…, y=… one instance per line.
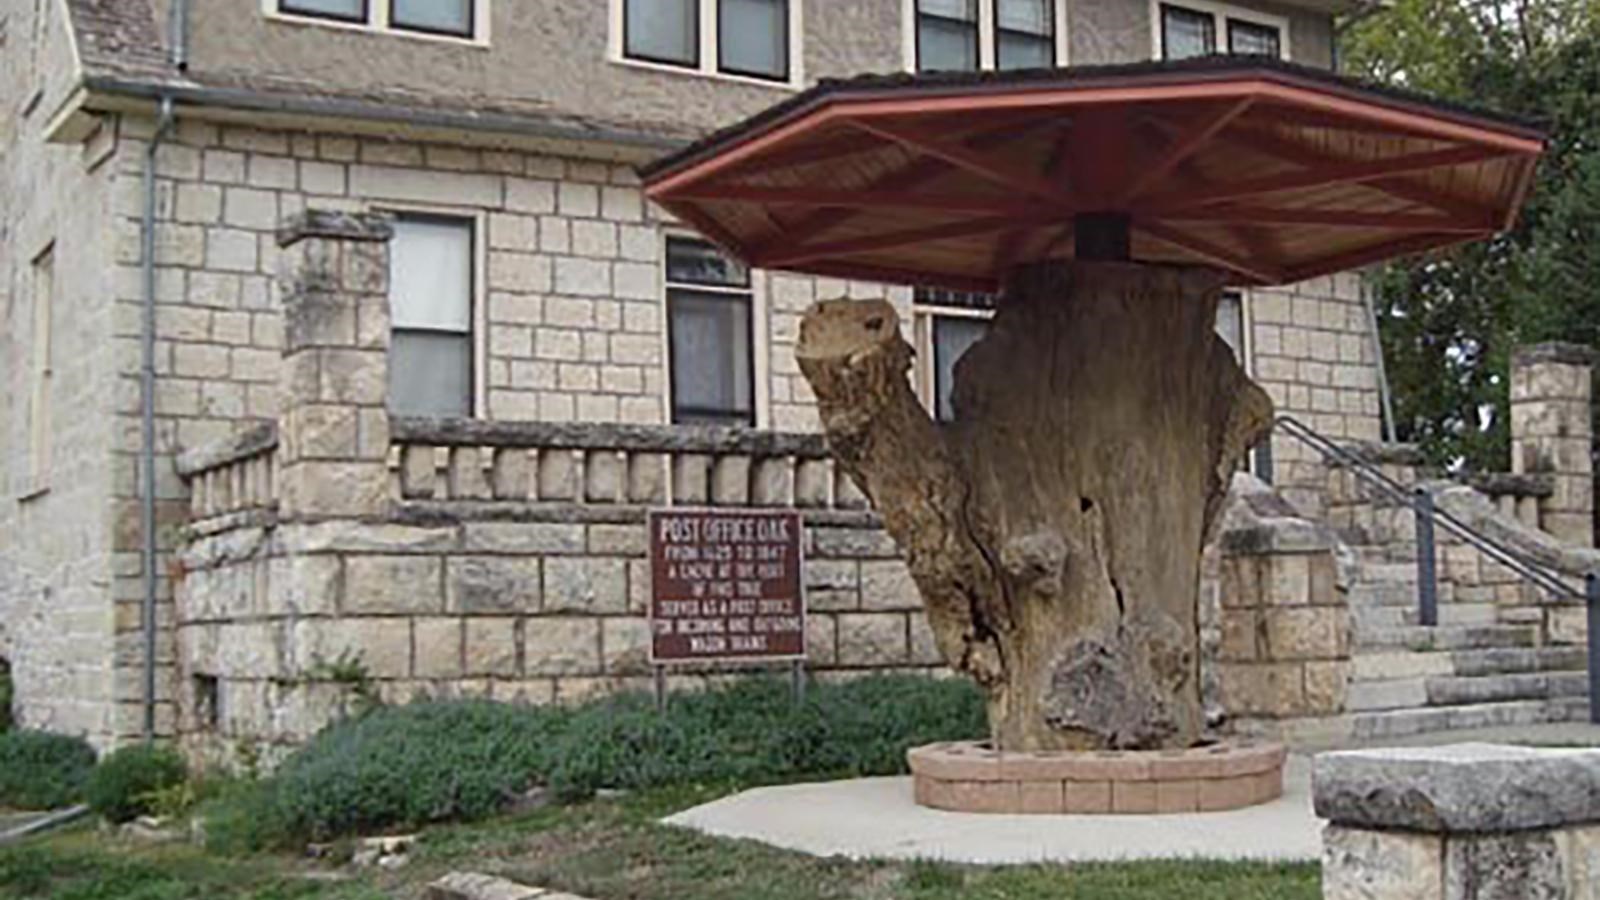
x=876, y=817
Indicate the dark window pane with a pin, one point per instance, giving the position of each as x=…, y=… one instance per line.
x=1024, y=51
x=928, y=296
x=1186, y=33
x=753, y=37
x=1026, y=16
x=696, y=262
x=1230, y=323
x=345, y=10
x=1248, y=37
x=947, y=35
x=711, y=362
x=953, y=336
x=441, y=16
x=430, y=373
x=665, y=31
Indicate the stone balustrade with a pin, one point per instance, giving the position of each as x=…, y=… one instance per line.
x=232, y=476
x=475, y=461
x=1462, y=822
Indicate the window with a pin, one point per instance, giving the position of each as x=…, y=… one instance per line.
x=1230, y=323
x=340, y=10
x=1024, y=34
x=432, y=16
x=431, y=272
x=1193, y=29
x=741, y=38
x=709, y=301
x=41, y=368
x=947, y=35
x=948, y=324
x=463, y=19
x=664, y=31
x=968, y=35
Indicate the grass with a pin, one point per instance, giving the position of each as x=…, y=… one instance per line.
x=608, y=849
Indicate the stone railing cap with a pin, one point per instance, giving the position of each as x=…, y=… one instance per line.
x=1564, y=352
x=325, y=223
x=1458, y=788
x=258, y=438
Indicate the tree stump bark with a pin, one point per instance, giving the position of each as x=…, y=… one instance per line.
x=1055, y=527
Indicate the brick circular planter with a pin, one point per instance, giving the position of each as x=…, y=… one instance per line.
x=971, y=776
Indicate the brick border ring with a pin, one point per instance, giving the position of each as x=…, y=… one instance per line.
x=971, y=776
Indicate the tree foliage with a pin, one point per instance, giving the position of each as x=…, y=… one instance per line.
x=1450, y=320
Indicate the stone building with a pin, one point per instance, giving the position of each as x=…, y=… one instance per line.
x=441, y=472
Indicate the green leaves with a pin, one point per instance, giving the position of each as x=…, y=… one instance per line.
x=1450, y=321
x=39, y=770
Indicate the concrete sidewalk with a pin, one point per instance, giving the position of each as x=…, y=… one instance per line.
x=877, y=818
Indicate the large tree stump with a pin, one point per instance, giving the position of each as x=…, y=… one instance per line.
x=1055, y=528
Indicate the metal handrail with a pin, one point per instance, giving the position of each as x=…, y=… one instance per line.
x=1420, y=502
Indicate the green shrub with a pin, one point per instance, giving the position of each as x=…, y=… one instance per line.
x=39, y=770
x=127, y=783
x=460, y=760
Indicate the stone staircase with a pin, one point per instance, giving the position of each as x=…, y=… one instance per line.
x=1480, y=667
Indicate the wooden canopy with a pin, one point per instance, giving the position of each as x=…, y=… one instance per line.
x=1274, y=172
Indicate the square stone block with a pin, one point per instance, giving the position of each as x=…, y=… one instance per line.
x=1087, y=797
x=1134, y=796
x=1177, y=796
x=1043, y=797
x=1381, y=865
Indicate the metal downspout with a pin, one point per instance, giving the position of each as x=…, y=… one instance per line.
x=1384, y=398
x=147, y=416
x=178, y=56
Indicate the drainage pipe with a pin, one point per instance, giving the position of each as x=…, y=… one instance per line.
x=147, y=415
x=178, y=57
x=1385, y=399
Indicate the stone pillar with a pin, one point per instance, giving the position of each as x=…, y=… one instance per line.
x=333, y=432
x=1461, y=822
x=1285, y=631
x=1552, y=434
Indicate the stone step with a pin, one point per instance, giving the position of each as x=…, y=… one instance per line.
x=1512, y=660
x=1382, y=593
x=1446, y=637
x=1389, y=693
x=1376, y=572
x=1455, y=690
x=1391, y=664
x=1406, y=722
x=1380, y=617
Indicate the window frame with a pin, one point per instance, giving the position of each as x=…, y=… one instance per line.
x=1055, y=45
x=477, y=337
x=988, y=35
x=472, y=23
x=285, y=8
x=923, y=316
x=1221, y=14
x=754, y=294
x=788, y=61
x=43, y=290
x=708, y=50
x=378, y=18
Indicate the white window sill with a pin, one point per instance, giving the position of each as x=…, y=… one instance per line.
x=790, y=86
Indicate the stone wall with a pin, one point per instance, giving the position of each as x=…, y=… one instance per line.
x=57, y=609
x=1462, y=822
x=1284, y=647
x=1552, y=434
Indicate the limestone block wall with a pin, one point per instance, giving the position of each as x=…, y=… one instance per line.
x=1311, y=348
x=1552, y=433
x=1284, y=649
x=1461, y=822
x=569, y=317
x=57, y=203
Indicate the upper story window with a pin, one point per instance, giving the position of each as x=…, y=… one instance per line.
x=463, y=19
x=740, y=38
x=710, y=335
x=1199, y=29
x=432, y=266
x=968, y=35
x=41, y=370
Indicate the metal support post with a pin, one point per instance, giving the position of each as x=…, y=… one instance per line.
x=1427, y=565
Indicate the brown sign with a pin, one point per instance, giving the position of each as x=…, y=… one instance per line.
x=725, y=585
